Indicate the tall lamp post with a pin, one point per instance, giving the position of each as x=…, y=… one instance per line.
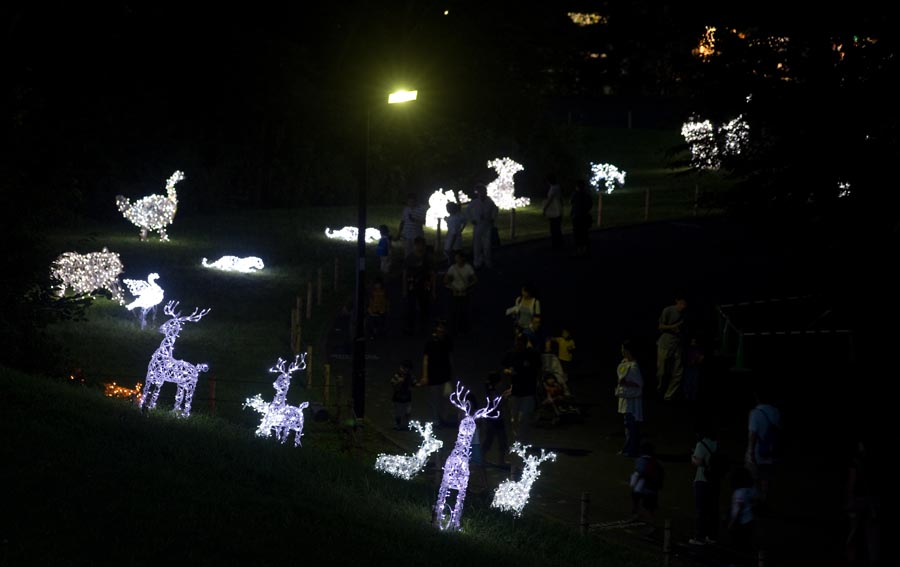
x=359, y=338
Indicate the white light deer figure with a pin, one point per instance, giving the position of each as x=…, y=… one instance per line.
x=511, y=496
x=456, y=469
x=407, y=466
x=279, y=417
x=153, y=212
x=164, y=368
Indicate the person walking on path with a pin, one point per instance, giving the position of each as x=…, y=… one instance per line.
x=383, y=250
x=402, y=383
x=646, y=483
x=670, y=347
x=566, y=345
x=581, y=217
x=706, y=485
x=523, y=367
x=481, y=213
x=459, y=279
x=412, y=224
x=629, y=391
x=763, y=442
x=495, y=429
x=456, y=222
x=437, y=370
x=418, y=286
x=524, y=309
x=377, y=309
x=553, y=209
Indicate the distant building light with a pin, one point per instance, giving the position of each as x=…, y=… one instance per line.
x=446, y=12
x=583, y=19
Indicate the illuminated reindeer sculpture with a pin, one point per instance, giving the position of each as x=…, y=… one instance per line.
x=511, y=496
x=278, y=417
x=406, y=466
x=164, y=368
x=456, y=469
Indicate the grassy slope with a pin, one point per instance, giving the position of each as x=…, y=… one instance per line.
x=94, y=481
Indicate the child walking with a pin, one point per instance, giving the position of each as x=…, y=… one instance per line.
x=402, y=383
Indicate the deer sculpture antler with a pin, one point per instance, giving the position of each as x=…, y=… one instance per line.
x=458, y=398
x=489, y=411
x=298, y=364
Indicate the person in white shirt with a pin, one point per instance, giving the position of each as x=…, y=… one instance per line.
x=629, y=391
x=456, y=222
x=481, y=212
x=706, y=486
x=412, y=224
x=459, y=279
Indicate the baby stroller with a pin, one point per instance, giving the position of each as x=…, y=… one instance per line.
x=557, y=403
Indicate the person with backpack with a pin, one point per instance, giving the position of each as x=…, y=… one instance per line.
x=711, y=468
x=646, y=482
x=763, y=443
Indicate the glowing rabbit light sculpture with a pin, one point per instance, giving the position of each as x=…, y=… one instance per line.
x=165, y=368
x=407, y=466
x=86, y=273
x=511, y=496
x=153, y=212
x=147, y=296
x=279, y=417
x=503, y=189
x=437, y=206
x=456, y=469
x=235, y=264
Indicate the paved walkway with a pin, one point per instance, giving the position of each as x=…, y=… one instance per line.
x=617, y=293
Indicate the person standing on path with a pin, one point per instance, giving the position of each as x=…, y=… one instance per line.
x=706, y=486
x=670, y=347
x=553, y=208
x=481, y=212
x=437, y=370
x=581, y=217
x=524, y=309
x=460, y=278
x=523, y=366
x=763, y=442
x=629, y=391
x=412, y=224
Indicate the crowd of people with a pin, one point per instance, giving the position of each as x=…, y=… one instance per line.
x=532, y=377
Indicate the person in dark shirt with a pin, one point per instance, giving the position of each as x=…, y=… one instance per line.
x=437, y=370
x=402, y=383
x=418, y=288
x=523, y=367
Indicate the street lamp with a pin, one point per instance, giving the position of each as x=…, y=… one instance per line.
x=359, y=338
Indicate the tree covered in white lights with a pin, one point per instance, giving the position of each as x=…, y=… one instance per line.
x=609, y=174
x=153, y=212
x=502, y=190
x=709, y=144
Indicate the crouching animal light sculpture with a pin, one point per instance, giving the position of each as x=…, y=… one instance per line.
x=278, y=417
x=511, y=496
x=235, y=264
x=456, y=469
x=166, y=368
x=407, y=466
x=350, y=233
x=153, y=212
x=86, y=273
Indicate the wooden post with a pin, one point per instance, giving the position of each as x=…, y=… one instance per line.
x=647, y=204
x=326, y=377
x=319, y=287
x=335, y=274
x=512, y=224
x=296, y=328
x=309, y=300
x=696, y=198
x=599, y=207
x=585, y=512
x=212, y=395
x=437, y=237
x=309, y=366
x=438, y=471
x=339, y=387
